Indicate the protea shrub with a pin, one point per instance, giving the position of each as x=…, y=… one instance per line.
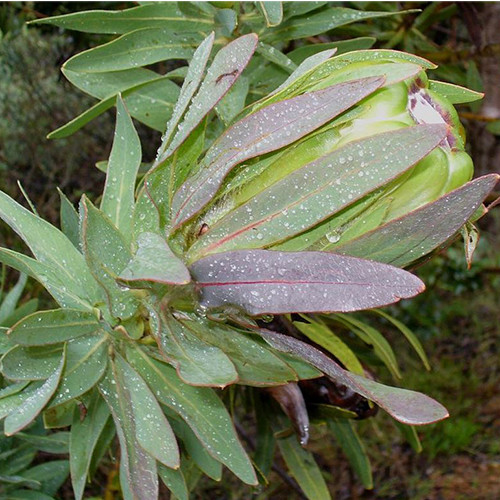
x=213, y=280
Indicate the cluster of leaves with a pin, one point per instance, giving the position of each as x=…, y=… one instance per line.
x=164, y=290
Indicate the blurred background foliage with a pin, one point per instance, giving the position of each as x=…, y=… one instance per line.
x=457, y=318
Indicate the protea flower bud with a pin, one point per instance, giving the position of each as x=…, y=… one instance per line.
x=404, y=101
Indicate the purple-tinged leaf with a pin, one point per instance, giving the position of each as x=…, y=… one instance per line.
x=404, y=240
x=154, y=261
x=408, y=407
x=268, y=129
x=226, y=68
x=319, y=189
x=269, y=282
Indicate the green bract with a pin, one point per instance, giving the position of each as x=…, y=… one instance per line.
x=165, y=294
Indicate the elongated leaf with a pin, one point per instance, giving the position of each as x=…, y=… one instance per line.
x=154, y=261
x=189, y=87
x=408, y=334
x=51, y=475
x=86, y=362
x=107, y=255
x=57, y=442
x=138, y=474
x=454, y=93
x=137, y=48
x=124, y=161
x=28, y=363
x=268, y=282
x=321, y=188
x=226, y=67
x=50, y=246
x=266, y=130
x=70, y=224
x=48, y=275
x=153, y=15
x=196, y=450
x=406, y=239
x=196, y=361
x=30, y=408
x=256, y=365
x=304, y=469
x=201, y=409
x=323, y=336
x=409, y=407
x=302, y=53
x=153, y=431
x=9, y=302
x=12, y=389
x=347, y=437
x=273, y=12
x=22, y=311
x=322, y=22
x=277, y=57
x=174, y=481
x=54, y=326
x=306, y=65
x=14, y=400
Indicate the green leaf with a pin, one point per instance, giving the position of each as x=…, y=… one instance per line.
x=23, y=310
x=31, y=363
x=124, y=161
x=232, y=104
x=12, y=401
x=49, y=276
x=28, y=495
x=51, y=475
x=374, y=338
x=107, y=255
x=266, y=442
x=454, y=93
x=153, y=431
x=323, y=22
x=346, y=435
x=227, y=20
x=191, y=83
x=174, y=481
x=225, y=69
x=138, y=473
x=302, y=53
x=273, y=12
x=59, y=416
x=196, y=361
x=277, y=57
x=14, y=388
x=50, y=246
x=201, y=409
x=29, y=409
x=494, y=127
x=406, y=239
x=196, y=450
x=408, y=334
x=152, y=15
x=266, y=130
x=86, y=362
x=9, y=302
x=256, y=365
x=53, y=327
x=137, y=48
x=304, y=469
x=155, y=261
x=58, y=442
x=70, y=222
x=411, y=436
x=323, y=336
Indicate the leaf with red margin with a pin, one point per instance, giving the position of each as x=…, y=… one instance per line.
x=407, y=407
x=404, y=240
x=266, y=130
x=269, y=282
